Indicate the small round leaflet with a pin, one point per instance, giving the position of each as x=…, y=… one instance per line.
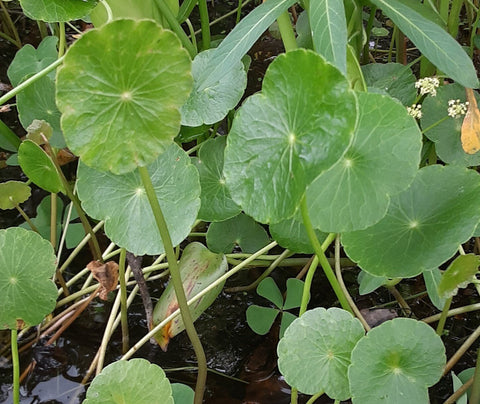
x=314, y=353
x=423, y=226
x=119, y=91
x=27, y=265
x=136, y=381
x=396, y=363
x=13, y=193
x=284, y=137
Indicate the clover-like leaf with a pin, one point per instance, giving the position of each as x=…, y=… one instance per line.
x=211, y=104
x=121, y=201
x=314, y=353
x=291, y=234
x=382, y=161
x=13, y=193
x=240, y=230
x=27, y=265
x=395, y=363
x=458, y=274
x=217, y=204
x=136, y=381
x=268, y=289
x=284, y=137
x=57, y=10
x=28, y=60
x=423, y=226
x=39, y=167
x=260, y=319
x=294, y=294
x=393, y=78
x=443, y=130
x=119, y=91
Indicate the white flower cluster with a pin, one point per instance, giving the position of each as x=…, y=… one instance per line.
x=428, y=85
x=415, y=110
x=457, y=108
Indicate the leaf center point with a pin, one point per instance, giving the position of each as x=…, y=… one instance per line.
x=126, y=96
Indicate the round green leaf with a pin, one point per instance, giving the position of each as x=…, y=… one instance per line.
x=27, y=265
x=393, y=78
x=119, y=91
x=423, y=226
x=291, y=234
x=446, y=133
x=37, y=101
x=211, y=104
x=121, y=201
x=284, y=137
x=28, y=60
x=459, y=274
x=57, y=10
x=182, y=394
x=12, y=193
x=314, y=353
x=217, y=204
x=136, y=381
x=240, y=230
x=382, y=161
x=38, y=166
x=395, y=363
x=260, y=319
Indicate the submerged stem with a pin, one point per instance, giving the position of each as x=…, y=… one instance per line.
x=177, y=284
x=16, y=365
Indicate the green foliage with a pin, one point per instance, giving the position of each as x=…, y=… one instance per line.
x=13, y=193
x=57, y=10
x=129, y=96
x=260, y=319
x=458, y=275
x=240, y=230
x=135, y=381
x=121, y=201
x=291, y=234
x=27, y=293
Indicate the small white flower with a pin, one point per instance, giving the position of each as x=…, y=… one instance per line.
x=415, y=110
x=428, y=85
x=457, y=108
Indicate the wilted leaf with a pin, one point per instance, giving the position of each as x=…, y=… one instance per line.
x=106, y=274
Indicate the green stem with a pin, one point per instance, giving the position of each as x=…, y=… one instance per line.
x=314, y=397
x=96, y=252
x=192, y=34
x=175, y=26
x=8, y=20
x=53, y=220
x=294, y=396
x=123, y=300
x=327, y=269
x=42, y=29
x=61, y=39
x=368, y=30
x=307, y=286
x=16, y=366
x=443, y=316
x=27, y=219
x=286, y=31
x=205, y=23
x=443, y=9
x=435, y=124
x=239, y=12
x=475, y=395
x=177, y=284
x=12, y=93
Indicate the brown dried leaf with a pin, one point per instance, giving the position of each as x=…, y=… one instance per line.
x=106, y=274
x=471, y=125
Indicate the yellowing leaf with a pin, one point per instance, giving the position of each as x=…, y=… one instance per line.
x=471, y=125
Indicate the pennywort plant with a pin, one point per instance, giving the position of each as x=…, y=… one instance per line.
x=328, y=149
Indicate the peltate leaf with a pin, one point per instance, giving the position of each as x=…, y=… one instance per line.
x=423, y=226
x=284, y=137
x=27, y=293
x=121, y=201
x=13, y=193
x=57, y=10
x=136, y=381
x=291, y=234
x=395, y=363
x=382, y=161
x=119, y=91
